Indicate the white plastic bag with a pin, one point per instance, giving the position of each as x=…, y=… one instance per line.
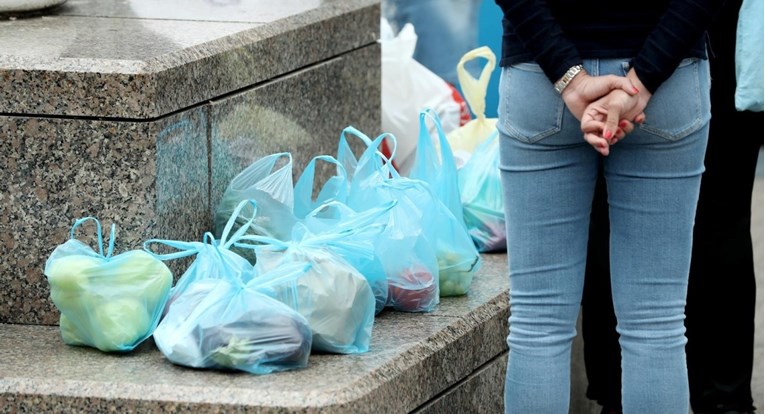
x=407, y=88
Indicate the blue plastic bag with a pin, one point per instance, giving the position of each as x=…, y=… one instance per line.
x=220, y=314
x=436, y=166
x=334, y=189
x=749, y=58
x=481, y=192
x=332, y=295
x=112, y=303
x=223, y=323
x=333, y=217
x=271, y=188
x=456, y=256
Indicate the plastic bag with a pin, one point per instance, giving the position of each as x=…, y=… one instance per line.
x=476, y=149
x=335, y=217
x=481, y=192
x=223, y=323
x=407, y=256
x=408, y=87
x=332, y=295
x=467, y=138
x=436, y=166
x=271, y=190
x=112, y=303
x=335, y=188
x=749, y=58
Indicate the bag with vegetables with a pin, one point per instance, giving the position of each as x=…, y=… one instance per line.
x=223, y=323
x=327, y=212
x=458, y=258
x=406, y=254
x=333, y=296
x=112, y=303
x=219, y=316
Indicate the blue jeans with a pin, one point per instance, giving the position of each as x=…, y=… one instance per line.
x=548, y=175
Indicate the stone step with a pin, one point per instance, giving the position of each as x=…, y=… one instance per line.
x=449, y=360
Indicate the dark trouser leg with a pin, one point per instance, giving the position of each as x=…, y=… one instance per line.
x=721, y=291
x=602, y=355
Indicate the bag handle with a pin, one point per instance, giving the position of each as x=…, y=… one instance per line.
x=475, y=89
x=110, y=249
x=185, y=249
x=373, y=155
x=424, y=140
x=346, y=156
x=225, y=241
x=304, y=187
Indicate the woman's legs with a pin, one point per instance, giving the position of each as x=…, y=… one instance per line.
x=548, y=175
x=653, y=178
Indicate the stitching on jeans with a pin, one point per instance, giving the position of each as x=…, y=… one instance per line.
x=697, y=122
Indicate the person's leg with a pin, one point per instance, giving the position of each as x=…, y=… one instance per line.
x=653, y=178
x=602, y=355
x=721, y=337
x=548, y=176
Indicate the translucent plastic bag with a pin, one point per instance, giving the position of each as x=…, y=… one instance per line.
x=436, y=166
x=214, y=259
x=468, y=137
x=332, y=295
x=334, y=217
x=272, y=191
x=334, y=189
x=112, y=303
x=481, y=192
x=406, y=254
x=224, y=323
x=407, y=88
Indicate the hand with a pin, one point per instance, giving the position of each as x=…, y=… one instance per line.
x=584, y=89
x=599, y=121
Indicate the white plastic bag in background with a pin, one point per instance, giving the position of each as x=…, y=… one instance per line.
x=407, y=88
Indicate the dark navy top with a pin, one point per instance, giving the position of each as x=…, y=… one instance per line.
x=558, y=34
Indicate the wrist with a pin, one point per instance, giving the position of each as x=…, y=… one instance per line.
x=643, y=92
x=565, y=81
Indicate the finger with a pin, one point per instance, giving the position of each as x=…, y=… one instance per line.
x=612, y=122
x=626, y=126
x=594, y=126
x=640, y=118
x=621, y=82
x=597, y=142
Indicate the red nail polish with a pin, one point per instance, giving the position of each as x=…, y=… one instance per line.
x=607, y=134
x=635, y=90
x=623, y=124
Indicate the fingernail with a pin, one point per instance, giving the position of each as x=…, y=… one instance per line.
x=608, y=134
x=635, y=90
x=623, y=124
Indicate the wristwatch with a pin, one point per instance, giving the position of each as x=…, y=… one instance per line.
x=561, y=84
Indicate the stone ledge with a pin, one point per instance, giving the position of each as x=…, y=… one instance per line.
x=97, y=59
x=414, y=358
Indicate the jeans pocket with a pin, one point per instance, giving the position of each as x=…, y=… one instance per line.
x=531, y=109
x=681, y=105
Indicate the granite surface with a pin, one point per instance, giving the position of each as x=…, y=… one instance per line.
x=412, y=359
x=149, y=179
x=121, y=59
x=481, y=392
x=303, y=113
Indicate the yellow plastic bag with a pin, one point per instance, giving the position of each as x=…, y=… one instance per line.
x=467, y=138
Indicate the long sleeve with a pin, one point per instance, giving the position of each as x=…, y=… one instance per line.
x=679, y=28
x=541, y=35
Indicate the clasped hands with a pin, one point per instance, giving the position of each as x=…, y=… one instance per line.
x=607, y=106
